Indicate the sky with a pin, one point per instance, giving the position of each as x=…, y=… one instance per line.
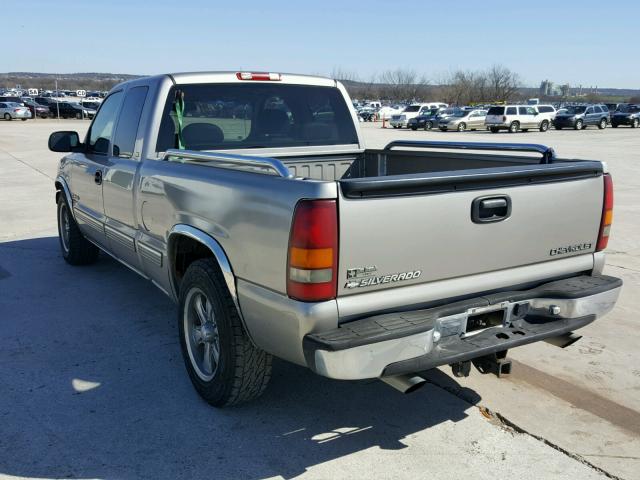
x=588, y=43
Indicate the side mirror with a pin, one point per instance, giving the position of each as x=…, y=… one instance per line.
x=64, y=141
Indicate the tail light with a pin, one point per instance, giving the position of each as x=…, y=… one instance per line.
x=17, y=110
x=607, y=214
x=312, y=268
x=260, y=76
x=504, y=118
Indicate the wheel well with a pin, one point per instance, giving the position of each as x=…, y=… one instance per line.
x=186, y=250
x=59, y=190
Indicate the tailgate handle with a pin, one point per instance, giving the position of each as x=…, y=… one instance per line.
x=491, y=209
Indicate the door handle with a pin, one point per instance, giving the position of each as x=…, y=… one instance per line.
x=490, y=209
x=98, y=177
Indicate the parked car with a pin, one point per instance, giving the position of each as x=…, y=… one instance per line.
x=274, y=269
x=426, y=120
x=464, y=120
x=580, y=117
x=516, y=117
x=626, y=115
x=36, y=109
x=401, y=120
x=12, y=110
x=71, y=110
x=11, y=99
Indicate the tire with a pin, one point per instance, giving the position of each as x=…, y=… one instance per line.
x=428, y=125
x=494, y=130
x=7, y=116
x=579, y=124
x=78, y=116
x=241, y=371
x=462, y=127
x=414, y=128
x=514, y=127
x=76, y=250
x=603, y=124
x=634, y=123
x=544, y=126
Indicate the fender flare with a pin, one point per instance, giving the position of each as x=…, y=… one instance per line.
x=64, y=188
x=218, y=253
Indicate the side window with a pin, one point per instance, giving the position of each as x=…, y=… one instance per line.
x=512, y=111
x=522, y=110
x=589, y=110
x=102, y=126
x=531, y=111
x=125, y=137
x=597, y=109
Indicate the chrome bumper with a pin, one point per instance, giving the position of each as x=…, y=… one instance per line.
x=445, y=341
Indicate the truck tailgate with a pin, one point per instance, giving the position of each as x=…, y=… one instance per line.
x=391, y=238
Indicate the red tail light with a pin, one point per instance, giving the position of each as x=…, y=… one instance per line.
x=260, y=76
x=607, y=214
x=312, y=267
x=16, y=110
x=504, y=118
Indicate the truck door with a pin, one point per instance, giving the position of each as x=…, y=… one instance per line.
x=121, y=224
x=87, y=171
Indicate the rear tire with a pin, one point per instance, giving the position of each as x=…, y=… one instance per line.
x=544, y=126
x=514, y=127
x=7, y=116
x=603, y=124
x=231, y=370
x=414, y=128
x=76, y=250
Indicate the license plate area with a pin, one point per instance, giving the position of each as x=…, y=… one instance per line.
x=481, y=321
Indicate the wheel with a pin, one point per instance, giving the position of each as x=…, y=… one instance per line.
x=428, y=125
x=634, y=123
x=544, y=126
x=414, y=128
x=494, y=129
x=603, y=124
x=579, y=124
x=223, y=364
x=7, y=116
x=513, y=128
x=64, y=117
x=462, y=127
x=76, y=250
x=78, y=116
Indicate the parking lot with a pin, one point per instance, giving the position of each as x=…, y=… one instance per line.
x=92, y=383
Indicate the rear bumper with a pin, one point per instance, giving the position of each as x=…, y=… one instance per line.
x=407, y=342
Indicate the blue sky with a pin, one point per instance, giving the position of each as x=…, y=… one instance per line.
x=579, y=42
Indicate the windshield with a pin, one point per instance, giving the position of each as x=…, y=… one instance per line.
x=412, y=108
x=576, y=110
x=251, y=115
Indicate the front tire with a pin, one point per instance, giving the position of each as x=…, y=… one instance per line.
x=428, y=125
x=634, y=123
x=76, y=250
x=578, y=125
x=494, y=130
x=7, y=116
x=225, y=367
x=603, y=124
x=462, y=127
x=544, y=126
x=514, y=127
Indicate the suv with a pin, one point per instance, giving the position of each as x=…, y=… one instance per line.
x=580, y=117
x=72, y=110
x=626, y=115
x=516, y=117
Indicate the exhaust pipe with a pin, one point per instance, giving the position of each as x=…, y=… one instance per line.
x=563, y=340
x=405, y=383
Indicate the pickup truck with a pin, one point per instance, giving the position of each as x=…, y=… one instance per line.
x=251, y=201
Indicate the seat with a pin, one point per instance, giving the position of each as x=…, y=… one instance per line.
x=273, y=122
x=202, y=136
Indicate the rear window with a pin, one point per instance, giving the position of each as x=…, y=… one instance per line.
x=496, y=111
x=237, y=116
x=412, y=108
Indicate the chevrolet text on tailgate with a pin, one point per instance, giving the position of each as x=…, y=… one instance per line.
x=250, y=200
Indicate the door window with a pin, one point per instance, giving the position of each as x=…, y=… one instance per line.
x=589, y=110
x=101, y=130
x=512, y=111
x=597, y=109
x=523, y=111
x=125, y=137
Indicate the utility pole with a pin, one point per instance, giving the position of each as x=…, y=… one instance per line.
x=57, y=106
